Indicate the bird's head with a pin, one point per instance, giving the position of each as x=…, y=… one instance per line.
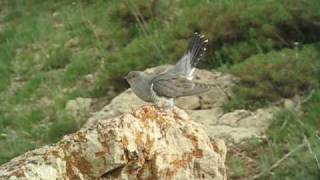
x=134, y=76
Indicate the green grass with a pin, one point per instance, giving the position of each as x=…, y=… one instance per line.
x=238, y=167
x=289, y=129
x=28, y=89
x=279, y=74
x=55, y=51
x=37, y=61
x=58, y=59
x=80, y=65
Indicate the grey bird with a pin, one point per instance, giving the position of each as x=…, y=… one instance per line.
x=162, y=88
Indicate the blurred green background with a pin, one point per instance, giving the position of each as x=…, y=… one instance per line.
x=54, y=51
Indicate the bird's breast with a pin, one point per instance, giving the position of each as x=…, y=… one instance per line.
x=142, y=91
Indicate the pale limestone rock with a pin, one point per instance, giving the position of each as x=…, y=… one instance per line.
x=231, y=134
x=213, y=98
x=78, y=107
x=240, y=125
x=189, y=102
x=123, y=103
x=207, y=117
x=142, y=144
x=258, y=119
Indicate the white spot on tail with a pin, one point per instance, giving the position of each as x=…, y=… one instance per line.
x=190, y=75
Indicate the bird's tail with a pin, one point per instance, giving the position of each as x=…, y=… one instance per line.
x=205, y=86
x=200, y=88
x=197, y=47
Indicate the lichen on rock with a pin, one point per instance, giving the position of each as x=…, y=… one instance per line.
x=143, y=144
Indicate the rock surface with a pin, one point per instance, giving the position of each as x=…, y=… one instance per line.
x=238, y=125
x=78, y=107
x=206, y=109
x=142, y=144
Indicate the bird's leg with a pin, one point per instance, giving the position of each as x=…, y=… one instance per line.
x=164, y=104
x=170, y=103
x=167, y=104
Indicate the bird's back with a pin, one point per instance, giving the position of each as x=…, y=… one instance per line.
x=171, y=85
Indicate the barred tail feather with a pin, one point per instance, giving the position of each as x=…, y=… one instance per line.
x=197, y=47
x=205, y=86
x=199, y=88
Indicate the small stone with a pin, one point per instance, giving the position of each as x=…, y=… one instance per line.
x=58, y=25
x=73, y=42
x=56, y=13
x=288, y=104
x=45, y=101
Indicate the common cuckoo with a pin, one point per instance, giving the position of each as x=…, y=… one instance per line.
x=162, y=88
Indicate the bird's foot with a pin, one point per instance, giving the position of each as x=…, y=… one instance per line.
x=165, y=106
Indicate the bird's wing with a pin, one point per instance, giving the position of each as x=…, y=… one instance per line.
x=171, y=86
x=196, y=49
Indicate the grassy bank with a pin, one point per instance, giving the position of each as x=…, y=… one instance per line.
x=55, y=51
